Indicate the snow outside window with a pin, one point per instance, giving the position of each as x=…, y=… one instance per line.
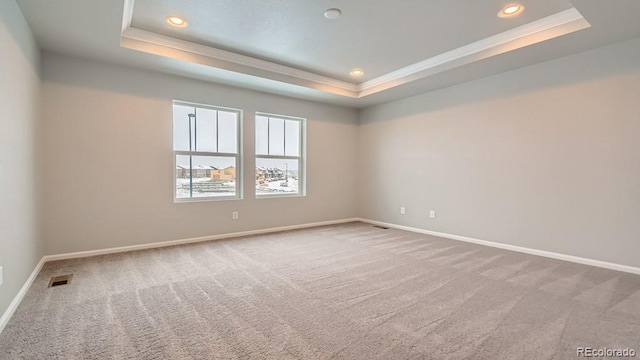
x=280, y=155
x=206, y=149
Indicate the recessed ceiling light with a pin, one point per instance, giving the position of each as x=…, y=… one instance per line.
x=332, y=13
x=511, y=10
x=177, y=21
x=356, y=72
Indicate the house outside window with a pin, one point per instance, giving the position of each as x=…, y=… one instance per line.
x=280, y=155
x=206, y=149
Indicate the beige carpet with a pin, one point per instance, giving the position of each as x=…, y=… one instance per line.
x=351, y=291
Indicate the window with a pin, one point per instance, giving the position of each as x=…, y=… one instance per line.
x=206, y=148
x=279, y=155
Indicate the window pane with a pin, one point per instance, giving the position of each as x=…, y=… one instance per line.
x=276, y=136
x=292, y=138
x=183, y=176
x=227, y=132
x=181, y=127
x=276, y=176
x=214, y=176
x=205, y=130
x=262, y=135
x=208, y=176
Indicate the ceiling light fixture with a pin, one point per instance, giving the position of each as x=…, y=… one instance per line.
x=356, y=72
x=511, y=10
x=332, y=13
x=177, y=21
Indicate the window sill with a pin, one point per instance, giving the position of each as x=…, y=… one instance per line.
x=276, y=196
x=197, y=200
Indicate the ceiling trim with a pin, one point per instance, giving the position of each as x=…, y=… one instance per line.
x=127, y=14
x=167, y=46
x=552, y=26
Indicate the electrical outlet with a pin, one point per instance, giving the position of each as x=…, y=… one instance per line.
x=1, y=277
x=403, y=210
x=234, y=215
x=432, y=214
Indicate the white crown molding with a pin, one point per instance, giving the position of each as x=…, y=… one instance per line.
x=167, y=46
x=550, y=27
x=127, y=14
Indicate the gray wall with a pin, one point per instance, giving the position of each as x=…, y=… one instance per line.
x=20, y=248
x=108, y=161
x=545, y=157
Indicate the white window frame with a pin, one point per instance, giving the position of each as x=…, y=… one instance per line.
x=237, y=156
x=302, y=168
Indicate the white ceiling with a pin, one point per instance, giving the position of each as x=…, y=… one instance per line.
x=371, y=34
x=288, y=47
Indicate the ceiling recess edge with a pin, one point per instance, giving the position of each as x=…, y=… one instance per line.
x=555, y=25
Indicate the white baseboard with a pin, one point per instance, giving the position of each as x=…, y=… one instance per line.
x=4, y=320
x=23, y=291
x=89, y=253
x=549, y=254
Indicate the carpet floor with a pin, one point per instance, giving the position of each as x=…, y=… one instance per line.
x=350, y=291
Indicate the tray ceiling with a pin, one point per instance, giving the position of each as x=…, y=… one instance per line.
x=289, y=47
x=370, y=34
